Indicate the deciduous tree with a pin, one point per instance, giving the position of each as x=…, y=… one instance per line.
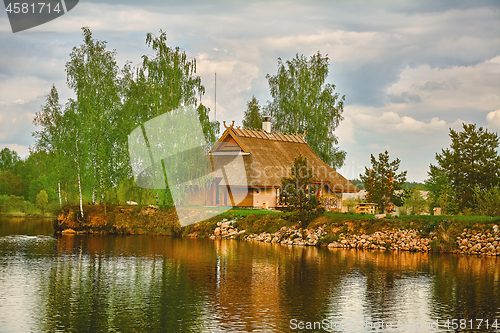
x=415, y=202
x=51, y=136
x=8, y=159
x=41, y=200
x=165, y=81
x=93, y=74
x=303, y=101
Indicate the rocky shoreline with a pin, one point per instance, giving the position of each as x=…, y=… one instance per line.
x=470, y=242
x=382, y=235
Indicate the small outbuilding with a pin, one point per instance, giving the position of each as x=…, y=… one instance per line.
x=365, y=208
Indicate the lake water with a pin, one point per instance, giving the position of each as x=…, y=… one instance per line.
x=160, y=284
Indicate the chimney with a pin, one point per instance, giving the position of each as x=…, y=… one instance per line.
x=266, y=124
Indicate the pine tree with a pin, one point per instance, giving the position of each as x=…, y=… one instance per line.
x=382, y=180
x=252, y=118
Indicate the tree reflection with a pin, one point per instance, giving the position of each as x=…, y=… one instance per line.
x=93, y=291
x=465, y=287
x=147, y=283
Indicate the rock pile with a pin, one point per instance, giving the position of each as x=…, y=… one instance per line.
x=469, y=242
x=226, y=229
x=400, y=240
x=403, y=240
x=476, y=242
x=290, y=236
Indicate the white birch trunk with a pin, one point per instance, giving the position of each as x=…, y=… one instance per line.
x=59, y=191
x=79, y=180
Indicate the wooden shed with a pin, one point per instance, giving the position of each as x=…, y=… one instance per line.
x=365, y=208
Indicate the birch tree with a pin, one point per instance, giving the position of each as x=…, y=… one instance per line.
x=303, y=101
x=164, y=81
x=92, y=73
x=51, y=133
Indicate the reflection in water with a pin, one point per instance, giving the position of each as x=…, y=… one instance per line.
x=148, y=283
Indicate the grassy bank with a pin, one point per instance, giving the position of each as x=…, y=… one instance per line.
x=442, y=230
x=126, y=220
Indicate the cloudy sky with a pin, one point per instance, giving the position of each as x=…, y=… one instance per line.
x=409, y=71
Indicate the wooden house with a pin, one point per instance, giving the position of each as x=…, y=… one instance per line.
x=267, y=157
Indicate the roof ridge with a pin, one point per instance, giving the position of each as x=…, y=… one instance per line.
x=274, y=135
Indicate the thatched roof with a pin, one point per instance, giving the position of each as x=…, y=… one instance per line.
x=267, y=157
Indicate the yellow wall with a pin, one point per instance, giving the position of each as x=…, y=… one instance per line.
x=265, y=195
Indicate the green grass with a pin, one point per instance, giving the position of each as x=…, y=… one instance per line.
x=259, y=220
x=242, y=212
x=349, y=216
x=468, y=218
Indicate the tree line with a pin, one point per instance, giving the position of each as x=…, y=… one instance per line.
x=81, y=155
x=80, y=152
x=464, y=180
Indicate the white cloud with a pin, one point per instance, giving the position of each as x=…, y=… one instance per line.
x=340, y=45
x=22, y=90
x=22, y=151
x=375, y=147
x=493, y=119
x=474, y=87
x=392, y=122
x=345, y=131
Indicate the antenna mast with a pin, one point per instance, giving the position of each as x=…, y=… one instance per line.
x=215, y=95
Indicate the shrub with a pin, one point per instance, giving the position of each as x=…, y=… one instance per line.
x=488, y=201
x=329, y=238
x=41, y=200
x=298, y=193
x=13, y=204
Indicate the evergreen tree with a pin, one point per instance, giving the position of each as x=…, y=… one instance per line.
x=382, y=179
x=299, y=194
x=471, y=162
x=252, y=118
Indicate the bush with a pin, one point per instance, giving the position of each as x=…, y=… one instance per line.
x=303, y=217
x=14, y=204
x=329, y=238
x=3, y=198
x=298, y=194
x=487, y=202
x=31, y=208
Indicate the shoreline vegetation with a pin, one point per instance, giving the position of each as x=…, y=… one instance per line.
x=474, y=235
x=24, y=215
